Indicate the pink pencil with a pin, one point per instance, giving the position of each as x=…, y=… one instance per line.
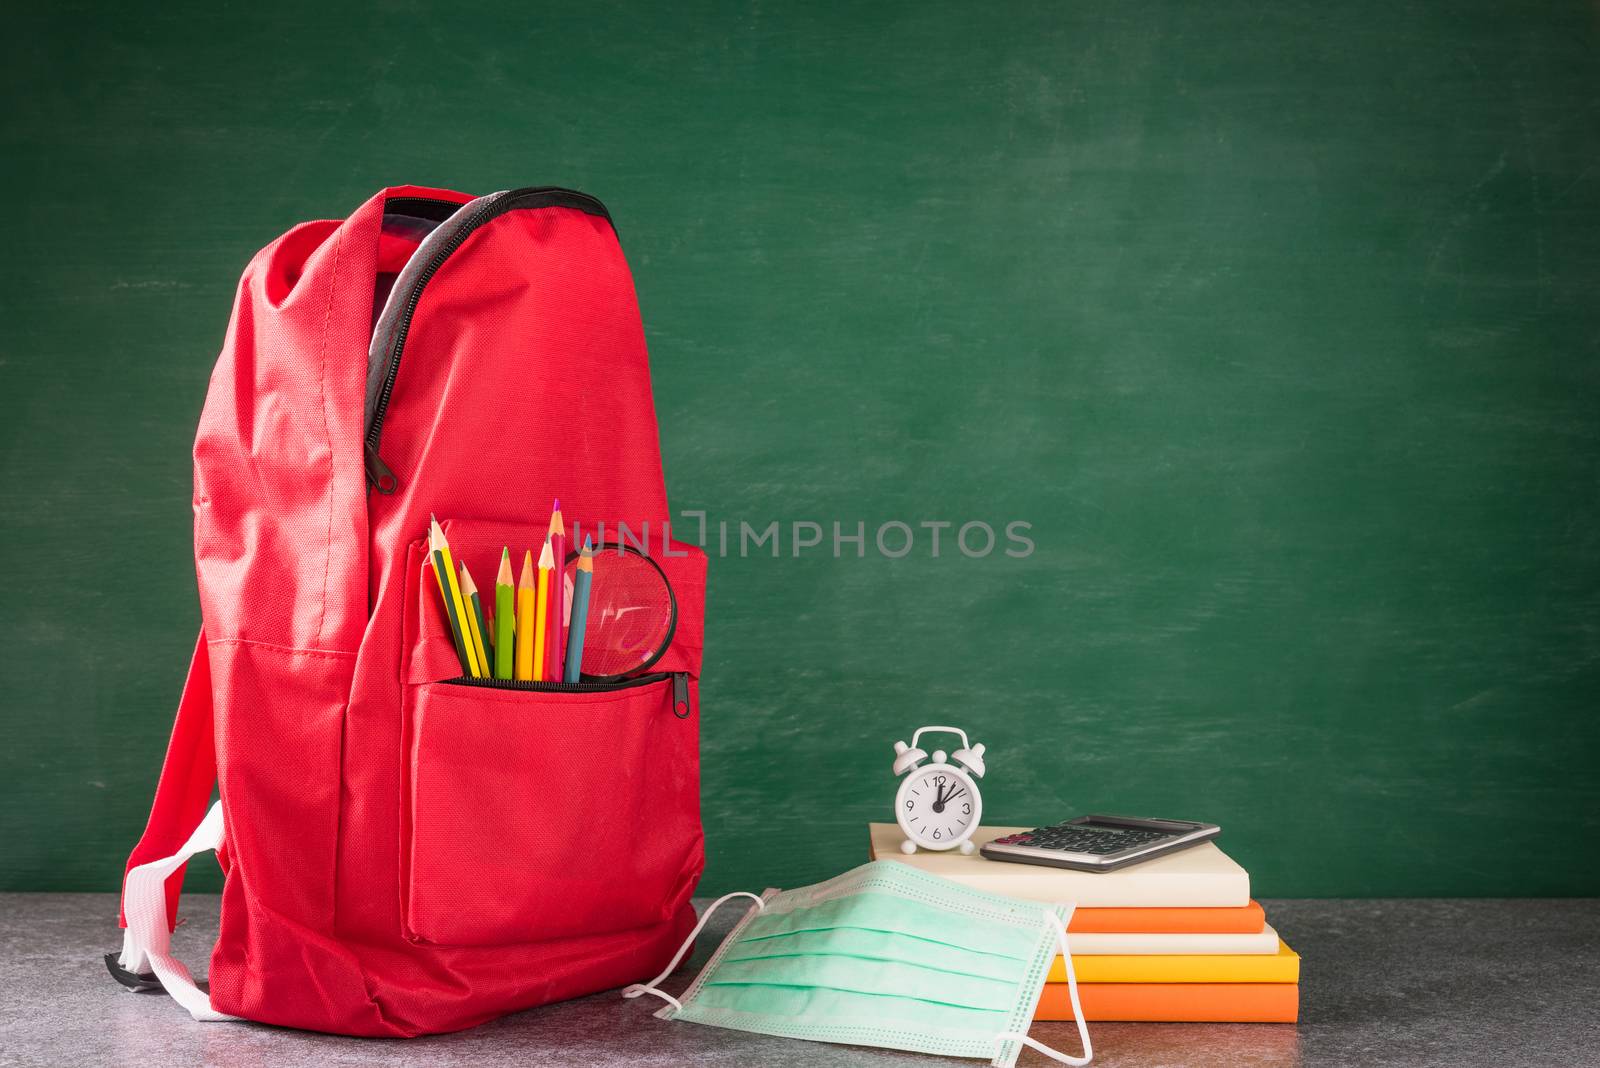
x=555, y=650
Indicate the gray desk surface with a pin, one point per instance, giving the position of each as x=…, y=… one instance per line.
x=1419, y=982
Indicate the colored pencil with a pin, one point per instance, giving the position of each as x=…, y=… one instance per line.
x=541, y=621
x=444, y=570
x=580, y=612
x=527, y=607
x=476, y=624
x=428, y=570
x=505, y=615
x=556, y=609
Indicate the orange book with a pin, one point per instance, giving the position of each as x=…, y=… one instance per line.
x=1246, y=919
x=1175, y=1002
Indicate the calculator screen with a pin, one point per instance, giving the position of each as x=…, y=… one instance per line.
x=1108, y=828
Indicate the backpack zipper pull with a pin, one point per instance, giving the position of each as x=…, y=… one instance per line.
x=680, y=694
x=378, y=474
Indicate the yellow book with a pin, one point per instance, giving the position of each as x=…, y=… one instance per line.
x=1280, y=967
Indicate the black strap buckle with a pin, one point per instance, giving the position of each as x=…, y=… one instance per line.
x=131, y=980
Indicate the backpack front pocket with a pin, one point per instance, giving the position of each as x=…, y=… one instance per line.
x=536, y=811
x=533, y=815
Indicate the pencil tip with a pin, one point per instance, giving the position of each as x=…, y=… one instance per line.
x=527, y=570
x=546, y=557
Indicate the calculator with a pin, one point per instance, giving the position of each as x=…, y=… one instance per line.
x=1099, y=843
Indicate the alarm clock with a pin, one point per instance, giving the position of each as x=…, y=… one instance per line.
x=938, y=805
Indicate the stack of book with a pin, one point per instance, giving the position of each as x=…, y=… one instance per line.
x=1176, y=938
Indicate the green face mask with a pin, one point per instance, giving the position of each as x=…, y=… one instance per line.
x=883, y=955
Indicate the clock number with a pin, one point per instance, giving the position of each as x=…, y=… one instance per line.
x=910, y=804
x=938, y=780
x=936, y=835
x=966, y=810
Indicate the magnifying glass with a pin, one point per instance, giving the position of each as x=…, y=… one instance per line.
x=632, y=613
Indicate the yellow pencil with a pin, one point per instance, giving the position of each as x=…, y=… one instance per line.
x=546, y=562
x=437, y=544
x=527, y=606
x=474, y=621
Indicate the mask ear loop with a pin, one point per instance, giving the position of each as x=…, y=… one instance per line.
x=1077, y=1009
x=651, y=988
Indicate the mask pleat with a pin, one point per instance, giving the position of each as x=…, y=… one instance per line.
x=875, y=911
x=887, y=946
x=851, y=1007
x=871, y=977
x=829, y=1016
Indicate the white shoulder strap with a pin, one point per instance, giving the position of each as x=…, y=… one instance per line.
x=147, y=941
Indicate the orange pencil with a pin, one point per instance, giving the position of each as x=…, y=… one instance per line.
x=527, y=608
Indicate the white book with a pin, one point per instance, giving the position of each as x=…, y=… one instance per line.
x=1095, y=944
x=1201, y=876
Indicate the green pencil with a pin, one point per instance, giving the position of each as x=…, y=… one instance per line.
x=505, y=613
x=480, y=636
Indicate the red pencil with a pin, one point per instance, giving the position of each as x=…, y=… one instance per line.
x=555, y=628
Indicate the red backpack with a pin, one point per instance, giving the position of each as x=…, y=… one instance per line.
x=403, y=854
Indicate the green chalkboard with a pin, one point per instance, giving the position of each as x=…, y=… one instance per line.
x=1275, y=323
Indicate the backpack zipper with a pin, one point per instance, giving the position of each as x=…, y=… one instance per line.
x=379, y=476
x=680, y=686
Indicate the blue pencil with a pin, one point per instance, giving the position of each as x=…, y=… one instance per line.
x=580, y=612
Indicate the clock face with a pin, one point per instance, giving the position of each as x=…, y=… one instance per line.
x=938, y=806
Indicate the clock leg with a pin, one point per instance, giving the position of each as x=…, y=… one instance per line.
x=908, y=847
x=967, y=849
